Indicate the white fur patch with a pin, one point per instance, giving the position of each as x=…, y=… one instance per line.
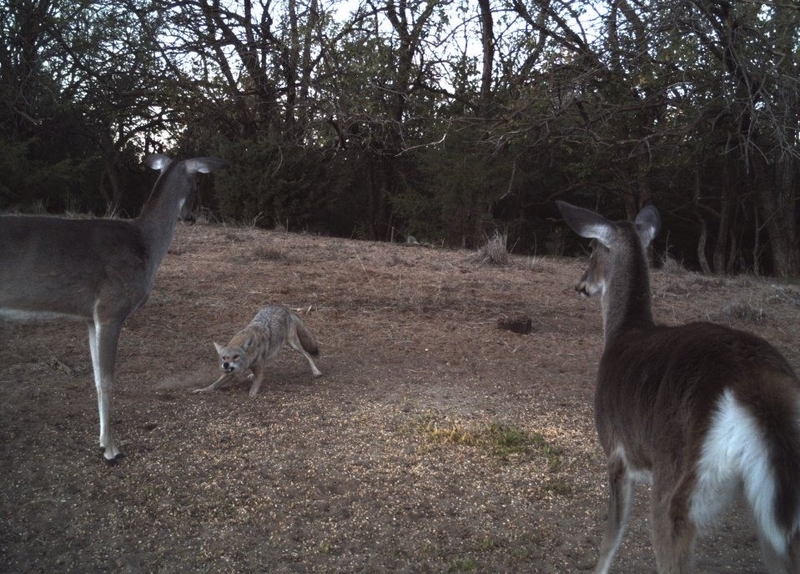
x=603, y=232
x=635, y=474
x=25, y=316
x=735, y=450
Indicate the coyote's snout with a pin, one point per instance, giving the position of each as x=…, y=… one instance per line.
x=260, y=341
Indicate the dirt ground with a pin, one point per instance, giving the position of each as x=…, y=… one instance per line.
x=435, y=441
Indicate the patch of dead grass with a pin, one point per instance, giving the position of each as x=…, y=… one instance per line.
x=342, y=473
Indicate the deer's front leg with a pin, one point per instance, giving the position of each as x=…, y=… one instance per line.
x=103, y=339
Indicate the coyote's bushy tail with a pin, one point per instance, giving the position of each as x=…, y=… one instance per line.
x=307, y=338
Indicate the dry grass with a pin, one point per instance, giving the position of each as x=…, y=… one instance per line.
x=495, y=252
x=748, y=312
x=434, y=442
x=672, y=266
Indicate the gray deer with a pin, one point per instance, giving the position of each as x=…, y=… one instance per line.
x=94, y=270
x=702, y=411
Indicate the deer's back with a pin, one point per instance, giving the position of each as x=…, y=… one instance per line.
x=658, y=387
x=61, y=266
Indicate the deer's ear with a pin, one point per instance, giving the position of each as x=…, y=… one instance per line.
x=587, y=223
x=157, y=161
x=648, y=223
x=204, y=164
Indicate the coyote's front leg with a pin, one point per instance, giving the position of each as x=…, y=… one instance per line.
x=216, y=384
x=258, y=377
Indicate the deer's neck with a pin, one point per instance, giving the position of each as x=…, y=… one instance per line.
x=159, y=217
x=626, y=301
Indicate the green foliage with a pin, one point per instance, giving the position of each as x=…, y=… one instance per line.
x=12, y=158
x=500, y=439
x=552, y=453
x=449, y=198
x=507, y=440
x=270, y=184
x=30, y=184
x=382, y=123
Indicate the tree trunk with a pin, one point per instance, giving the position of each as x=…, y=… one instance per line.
x=487, y=39
x=720, y=256
x=776, y=198
x=702, y=239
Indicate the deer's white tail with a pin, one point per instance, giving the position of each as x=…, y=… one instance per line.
x=762, y=457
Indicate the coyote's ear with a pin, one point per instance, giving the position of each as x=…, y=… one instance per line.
x=218, y=347
x=248, y=343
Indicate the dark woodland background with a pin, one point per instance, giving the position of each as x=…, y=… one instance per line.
x=448, y=120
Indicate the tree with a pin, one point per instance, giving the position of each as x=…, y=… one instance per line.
x=80, y=84
x=447, y=117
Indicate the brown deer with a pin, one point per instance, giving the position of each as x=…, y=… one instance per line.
x=95, y=270
x=702, y=411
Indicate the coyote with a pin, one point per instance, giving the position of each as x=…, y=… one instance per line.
x=259, y=342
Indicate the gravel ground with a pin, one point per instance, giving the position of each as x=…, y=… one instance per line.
x=435, y=441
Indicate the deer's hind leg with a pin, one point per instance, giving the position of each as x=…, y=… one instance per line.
x=674, y=526
x=620, y=498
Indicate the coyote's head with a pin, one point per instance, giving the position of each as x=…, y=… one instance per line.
x=234, y=359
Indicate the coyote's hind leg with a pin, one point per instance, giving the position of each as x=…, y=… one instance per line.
x=294, y=343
